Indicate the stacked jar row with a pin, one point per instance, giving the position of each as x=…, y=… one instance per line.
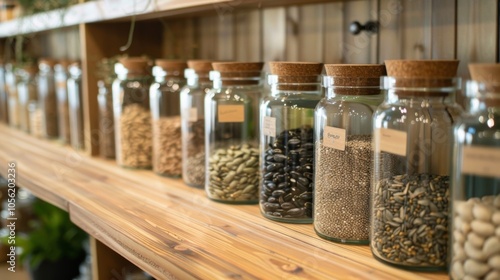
x=44, y=100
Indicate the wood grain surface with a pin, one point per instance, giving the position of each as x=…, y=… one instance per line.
x=173, y=231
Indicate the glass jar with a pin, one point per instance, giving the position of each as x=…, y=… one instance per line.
x=343, y=151
x=193, y=122
x=26, y=92
x=47, y=98
x=35, y=119
x=476, y=180
x=412, y=156
x=132, y=115
x=106, y=75
x=12, y=98
x=166, y=116
x=287, y=146
x=76, y=107
x=61, y=77
x=4, y=117
x=231, y=132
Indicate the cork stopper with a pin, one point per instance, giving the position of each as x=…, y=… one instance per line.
x=135, y=65
x=231, y=73
x=47, y=61
x=289, y=74
x=422, y=74
x=489, y=75
x=32, y=69
x=172, y=67
x=203, y=66
x=356, y=79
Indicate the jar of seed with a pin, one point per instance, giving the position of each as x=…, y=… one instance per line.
x=193, y=121
x=106, y=75
x=47, y=97
x=61, y=77
x=26, y=92
x=287, y=146
x=11, y=93
x=166, y=116
x=413, y=142
x=75, y=106
x=133, y=129
x=3, y=95
x=35, y=119
x=343, y=151
x=231, y=132
x=475, y=250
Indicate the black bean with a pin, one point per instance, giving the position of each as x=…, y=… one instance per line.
x=296, y=212
x=279, y=157
x=270, y=206
x=278, y=193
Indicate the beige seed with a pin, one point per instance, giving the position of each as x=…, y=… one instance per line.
x=475, y=269
x=481, y=212
x=494, y=262
x=482, y=228
x=491, y=246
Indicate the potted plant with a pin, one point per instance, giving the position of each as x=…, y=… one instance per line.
x=53, y=249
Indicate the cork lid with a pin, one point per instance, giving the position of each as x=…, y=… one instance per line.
x=135, y=65
x=423, y=76
x=47, y=61
x=203, y=66
x=172, y=67
x=489, y=75
x=355, y=79
x=239, y=73
x=290, y=74
x=30, y=68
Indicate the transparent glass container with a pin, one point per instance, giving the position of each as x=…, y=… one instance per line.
x=193, y=122
x=47, y=98
x=35, y=119
x=26, y=92
x=166, y=116
x=74, y=85
x=4, y=117
x=106, y=120
x=412, y=156
x=343, y=155
x=133, y=129
x=476, y=186
x=12, y=98
x=231, y=133
x=286, y=142
x=61, y=76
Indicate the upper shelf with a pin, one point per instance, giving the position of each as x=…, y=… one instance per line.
x=173, y=231
x=104, y=10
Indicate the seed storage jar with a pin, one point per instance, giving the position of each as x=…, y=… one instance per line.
x=193, y=121
x=106, y=75
x=286, y=142
x=61, y=77
x=3, y=95
x=35, y=119
x=475, y=250
x=231, y=132
x=166, y=116
x=75, y=106
x=47, y=98
x=412, y=156
x=11, y=91
x=26, y=92
x=343, y=151
x=132, y=115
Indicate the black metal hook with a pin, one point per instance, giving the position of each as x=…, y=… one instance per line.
x=371, y=27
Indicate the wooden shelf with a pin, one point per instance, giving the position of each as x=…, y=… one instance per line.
x=169, y=229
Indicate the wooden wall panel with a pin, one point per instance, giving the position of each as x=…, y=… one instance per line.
x=333, y=33
x=443, y=29
x=477, y=33
x=311, y=34
x=274, y=34
x=292, y=35
x=225, y=38
x=208, y=37
x=248, y=35
x=357, y=48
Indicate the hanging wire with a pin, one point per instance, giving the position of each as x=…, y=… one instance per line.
x=130, y=35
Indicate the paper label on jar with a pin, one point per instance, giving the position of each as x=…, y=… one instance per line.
x=193, y=114
x=231, y=113
x=334, y=137
x=481, y=161
x=392, y=141
x=269, y=126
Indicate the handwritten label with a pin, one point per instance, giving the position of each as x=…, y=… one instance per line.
x=481, y=161
x=61, y=84
x=231, y=113
x=392, y=141
x=269, y=126
x=334, y=137
x=193, y=114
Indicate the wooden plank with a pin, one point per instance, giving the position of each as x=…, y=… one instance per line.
x=172, y=230
x=106, y=263
x=248, y=35
x=293, y=33
x=443, y=29
x=333, y=33
x=477, y=33
x=225, y=37
x=207, y=37
x=311, y=33
x=357, y=48
x=273, y=37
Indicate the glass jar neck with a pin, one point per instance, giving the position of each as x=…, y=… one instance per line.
x=235, y=79
x=294, y=85
x=483, y=97
x=349, y=86
x=420, y=90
